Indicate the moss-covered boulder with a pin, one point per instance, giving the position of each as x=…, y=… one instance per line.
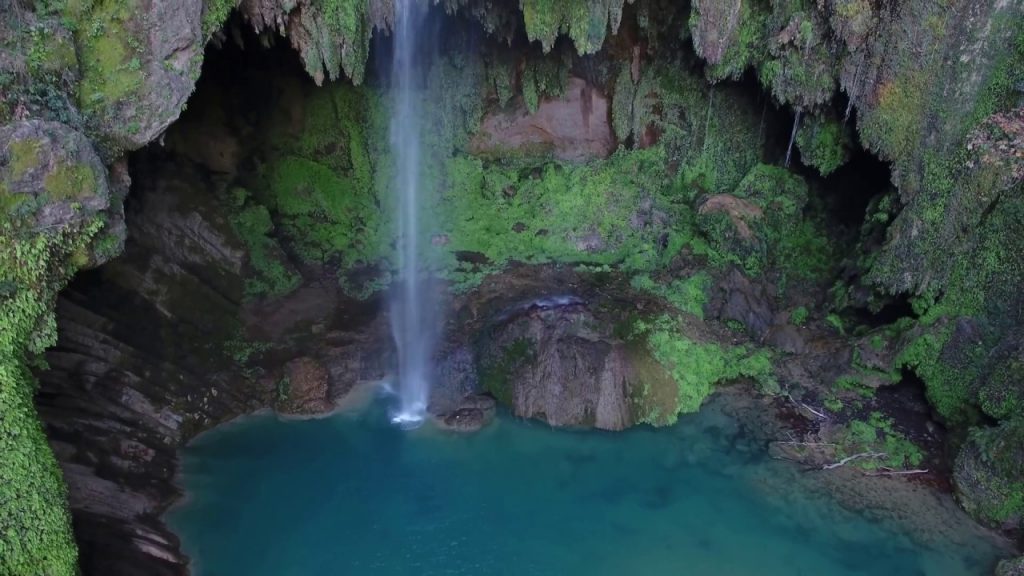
x=51, y=178
x=989, y=474
x=1014, y=567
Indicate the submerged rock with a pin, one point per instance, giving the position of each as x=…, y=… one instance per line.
x=1014, y=567
x=473, y=413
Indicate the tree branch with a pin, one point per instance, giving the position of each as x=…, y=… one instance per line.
x=849, y=459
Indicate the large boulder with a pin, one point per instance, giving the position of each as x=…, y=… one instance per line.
x=51, y=178
x=989, y=475
x=551, y=359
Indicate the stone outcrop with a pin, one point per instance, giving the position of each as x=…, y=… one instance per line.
x=989, y=475
x=552, y=360
x=51, y=177
x=573, y=127
x=304, y=388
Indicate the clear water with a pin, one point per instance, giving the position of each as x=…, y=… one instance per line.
x=353, y=494
x=410, y=326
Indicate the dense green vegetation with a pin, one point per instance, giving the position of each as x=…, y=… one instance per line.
x=877, y=435
x=696, y=367
x=703, y=191
x=35, y=530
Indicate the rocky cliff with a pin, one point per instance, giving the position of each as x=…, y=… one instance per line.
x=639, y=138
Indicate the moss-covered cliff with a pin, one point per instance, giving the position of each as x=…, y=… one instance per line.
x=676, y=110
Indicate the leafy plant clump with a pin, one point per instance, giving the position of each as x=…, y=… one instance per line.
x=35, y=528
x=877, y=436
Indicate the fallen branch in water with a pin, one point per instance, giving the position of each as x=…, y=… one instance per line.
x=794, y=443
x=849, y=459
x=890, y=472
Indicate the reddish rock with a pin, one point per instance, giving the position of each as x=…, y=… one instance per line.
x=304, y=389
x=574, y=127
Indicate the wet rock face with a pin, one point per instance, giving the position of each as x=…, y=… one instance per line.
x=170, y=44
x=137, y=370
x=575, y=127
x=304, y=389
x=144, y=362
x=560, y=365
x=747, y=303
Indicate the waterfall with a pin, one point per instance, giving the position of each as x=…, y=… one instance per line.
x=412, y=303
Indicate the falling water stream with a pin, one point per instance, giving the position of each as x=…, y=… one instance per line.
x=412, y=303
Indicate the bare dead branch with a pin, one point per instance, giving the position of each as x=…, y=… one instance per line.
x=849, y=459
x=890, y=472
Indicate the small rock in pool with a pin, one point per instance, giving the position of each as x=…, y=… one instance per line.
x=473, y=413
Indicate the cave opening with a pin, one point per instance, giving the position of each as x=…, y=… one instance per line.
x=244, y=286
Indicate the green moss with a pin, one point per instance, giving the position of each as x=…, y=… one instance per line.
x=745, y=48
x=949, y=390
x=848, y=383
x=1002, y=394
x=798, y=317
x=712, y=132
x=832, y=403
x=697, y=367
x=781, y=236
x=270, y=276
x=689, y=294
x=585, y=22
x=348, y=22
x=319, y=185
x=544, y=76
x=24, y=157
x=215, y=13
x=49, y=53
x=894, y=127
x=70, y=181
x=823, y=144
x=836, y=322
x=109, y=52
x=990, y=473
x=244, y=351
x=496, y=377
x=799, y=68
